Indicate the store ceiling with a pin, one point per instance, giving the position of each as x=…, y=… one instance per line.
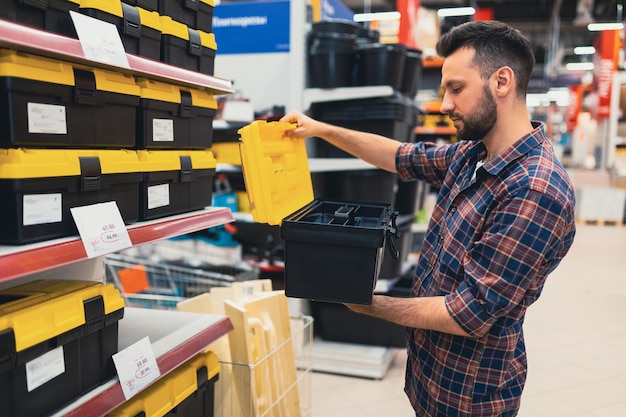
x=555, y=27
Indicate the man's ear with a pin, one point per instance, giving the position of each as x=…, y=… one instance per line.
x=505, y=81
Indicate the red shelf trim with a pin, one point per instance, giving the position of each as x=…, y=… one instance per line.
x=113, y=397
x=27, y=39
x=59, y=253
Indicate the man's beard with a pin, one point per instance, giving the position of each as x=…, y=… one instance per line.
x=477, y=125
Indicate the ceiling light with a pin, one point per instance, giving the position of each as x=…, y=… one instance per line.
x=369, y=17
x=456, y=11
x=584, y=50
x=579, y=66
x=594, y=27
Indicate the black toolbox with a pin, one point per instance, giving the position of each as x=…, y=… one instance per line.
x=50, y=103
x=50, y=15
x=186, y=47
x=197, y=14
x=57, y=338
x=333, y=249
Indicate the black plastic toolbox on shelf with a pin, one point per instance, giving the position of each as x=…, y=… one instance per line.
x=332, y=248
x=197, y=14
x=51, y=15
x=187, y=47
x=173, y=117
x=139, y=29
x=175, y=182
x=188, y=391
x=57, y=338
x=38, y=187
x=151, y=5
x=50, y=103
x=394, y=117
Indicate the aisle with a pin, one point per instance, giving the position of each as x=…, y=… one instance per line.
x=575, y=335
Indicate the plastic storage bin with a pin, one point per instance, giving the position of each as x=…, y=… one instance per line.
x=381, y=64
x=50, y=103
x=38, y=187
x=187, y=391
x=139, y=29
x=187, y=47
x=50, y=15
x=175, y=182
x=173, y=117
x=56, y=342
x=197, y=14
x=332, y=248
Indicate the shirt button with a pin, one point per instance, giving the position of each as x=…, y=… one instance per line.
x=452, y=209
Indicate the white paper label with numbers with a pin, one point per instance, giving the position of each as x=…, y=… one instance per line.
x=136, y=367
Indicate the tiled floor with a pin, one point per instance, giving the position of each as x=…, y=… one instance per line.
x=575, y=335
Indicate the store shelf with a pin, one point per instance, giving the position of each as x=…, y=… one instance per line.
x=321, y=95
x=175, y=337
x=18, y=261
x=27, y=39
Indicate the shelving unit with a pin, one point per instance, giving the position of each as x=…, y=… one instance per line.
x=175, y=337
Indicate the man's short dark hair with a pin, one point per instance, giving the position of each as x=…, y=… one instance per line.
x=496, y=45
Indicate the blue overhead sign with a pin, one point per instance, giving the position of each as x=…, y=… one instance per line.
x=255, y=27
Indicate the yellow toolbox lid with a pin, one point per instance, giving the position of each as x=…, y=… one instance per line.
x=23, y=163
x=34, y=67
x=168, y=392
x=43, y=309
x=275, y=170
x=158, y=90
x=115, y=82
x=149, y=18
x=157, y=160
x=207, y=40
x=172, y=27
x=113, y=7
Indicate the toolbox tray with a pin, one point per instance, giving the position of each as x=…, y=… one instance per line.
x=57, y=339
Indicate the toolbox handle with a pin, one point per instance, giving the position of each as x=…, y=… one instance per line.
x=132, y=21
x=191, y=4
x=195, y=44
x=39, y=4
x=392, y=231
x=186, y=168
x=90, y=173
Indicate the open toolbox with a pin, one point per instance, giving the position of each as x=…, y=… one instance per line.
x=333, y=249
x=57, y=338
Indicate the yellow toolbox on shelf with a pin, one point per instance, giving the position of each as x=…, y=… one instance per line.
x=50, y=103
x=51, y=15
x=197, y=14
x=151, y=5
x=175, y=182
x=38, y=187
x=174, y=117
x=139, y=29
x=187, y=391
x=333, y=249
x=57, y=338
x=186, y=47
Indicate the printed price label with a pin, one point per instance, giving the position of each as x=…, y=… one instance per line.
x=136, y=367
x=101, y=228
x=99, y=40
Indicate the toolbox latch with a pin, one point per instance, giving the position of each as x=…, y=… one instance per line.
x=90, y=173
x=191, y=4
x=7, y=350
x=195, y=44
x=185, y=168
x=132, y=21
x=94, y=314
x=391, y=232
x=186, y=105
x=84, y=87
x=39, y=4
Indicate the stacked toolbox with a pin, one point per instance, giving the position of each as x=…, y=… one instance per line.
x=57, y=338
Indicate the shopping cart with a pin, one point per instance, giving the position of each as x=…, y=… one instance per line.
x=153, y=282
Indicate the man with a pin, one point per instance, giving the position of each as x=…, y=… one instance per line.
x=503, y=221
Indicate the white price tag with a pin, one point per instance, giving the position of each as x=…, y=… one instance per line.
x=136, y=367
x=99, y=40
x=101, y=228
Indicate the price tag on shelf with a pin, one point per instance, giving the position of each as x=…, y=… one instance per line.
x=101, y=228
x=136, y=367
x=99, y=40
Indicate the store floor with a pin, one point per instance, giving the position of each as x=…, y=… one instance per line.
x=575, y=336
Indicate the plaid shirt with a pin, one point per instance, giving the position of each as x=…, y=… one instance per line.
x=490, y=245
